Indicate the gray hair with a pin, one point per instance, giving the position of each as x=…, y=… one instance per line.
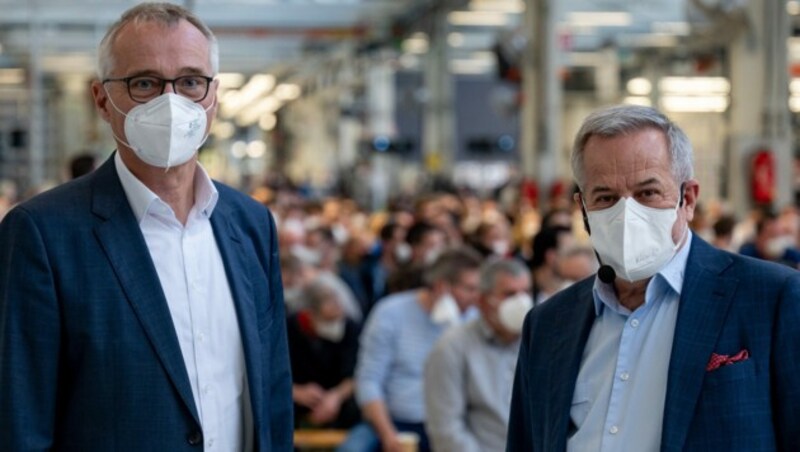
x=625, y=119
x=492, y=269
x=167, y=14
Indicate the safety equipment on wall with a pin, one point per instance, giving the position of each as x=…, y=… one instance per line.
x=763, y=177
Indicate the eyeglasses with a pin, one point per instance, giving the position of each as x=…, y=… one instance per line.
x=143, y=88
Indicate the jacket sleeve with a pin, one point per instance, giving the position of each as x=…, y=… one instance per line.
x=29, y=337
x=786, y=366
x=519, y=420
x=281, y=417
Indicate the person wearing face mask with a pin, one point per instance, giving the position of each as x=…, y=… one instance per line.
x=141, y=305
x=323, y=343
x=396, y=340
x=674, y=345
x=469, y=373
x=773, y=242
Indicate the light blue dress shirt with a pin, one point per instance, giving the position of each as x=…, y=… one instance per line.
x=397, y=338
x=618, y=403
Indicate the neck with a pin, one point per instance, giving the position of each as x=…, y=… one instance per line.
x=174, y=186
x=631, y=294
x=425, y=298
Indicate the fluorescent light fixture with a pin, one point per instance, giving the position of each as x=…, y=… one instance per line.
x=253, y=113
x=695, y=104
x=258, y=86
x=646, y=40
x=239, y=149
x=230, y=80
x=471, y=66
x=794, y=87
x=477, y=18
x=793, y=7
x=256, y=149
x=455, y=39
x=694, y=85
x=223, y=129
x=416, y=43
x=599, y=19
x=287, y=91
x=794, y=104
x=674, y=28
x=13, y=76
x=638, y=100
x=639, y=86
x=268, y=122
x=505, y=6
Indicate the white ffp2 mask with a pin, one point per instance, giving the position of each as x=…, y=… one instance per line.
x=166, y=131
x=511, y=312
x=445, y=310
x=635, y=240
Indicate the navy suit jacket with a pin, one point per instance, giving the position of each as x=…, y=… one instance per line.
x=728, y=303
x=89, y=357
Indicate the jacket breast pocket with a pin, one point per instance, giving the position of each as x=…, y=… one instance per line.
x=735, y=372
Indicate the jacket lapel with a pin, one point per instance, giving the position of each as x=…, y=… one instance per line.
x=237, y=268
x=565, y=363
x=705, y=299
x=124, y=246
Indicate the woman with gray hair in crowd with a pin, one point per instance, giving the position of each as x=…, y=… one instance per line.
x=323, y=344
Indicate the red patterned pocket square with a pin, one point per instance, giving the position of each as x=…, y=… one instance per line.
x=718, y=361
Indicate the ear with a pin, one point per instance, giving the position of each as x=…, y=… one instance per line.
x=101, y=102
x=691, y=191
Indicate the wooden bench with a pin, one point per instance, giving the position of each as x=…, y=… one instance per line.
x=318, y=439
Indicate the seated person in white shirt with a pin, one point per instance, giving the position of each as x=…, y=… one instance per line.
x=470, y=372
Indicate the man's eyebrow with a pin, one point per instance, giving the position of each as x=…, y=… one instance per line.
x=651, y=181
x=600, y=189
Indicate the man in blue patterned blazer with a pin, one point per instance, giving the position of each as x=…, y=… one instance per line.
x=141, y=306
x=674, y=345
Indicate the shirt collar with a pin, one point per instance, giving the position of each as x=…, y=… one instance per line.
x=672, y=274
x=142, y=199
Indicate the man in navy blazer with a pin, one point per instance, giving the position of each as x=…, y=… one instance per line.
x=141, y=306
x=674, y=345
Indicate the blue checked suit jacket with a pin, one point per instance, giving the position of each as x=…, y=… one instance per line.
x=89, y=357
x=728, y=303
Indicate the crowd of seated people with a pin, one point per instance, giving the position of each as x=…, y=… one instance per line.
x=418, y=312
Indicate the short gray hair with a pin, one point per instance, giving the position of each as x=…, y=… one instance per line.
x=624, y=119
x=492, y=269
x=167, y=14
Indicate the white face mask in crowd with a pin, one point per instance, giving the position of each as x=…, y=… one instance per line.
x=402, y=253
x=511, y=312
x=166, y=131
x=445, y=310
x=776, y=247
x=332, y=330
x=634, y=240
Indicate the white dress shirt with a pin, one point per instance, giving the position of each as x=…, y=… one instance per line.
x=192, y=276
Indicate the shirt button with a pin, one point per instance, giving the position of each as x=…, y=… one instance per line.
x=210, y=442
x=624, y=376
x=194, y=438
x=635, y=323
x=201, y=337
x=206, y=389
x=613, y=430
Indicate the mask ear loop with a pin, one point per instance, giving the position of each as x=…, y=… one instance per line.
x=585, y=215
